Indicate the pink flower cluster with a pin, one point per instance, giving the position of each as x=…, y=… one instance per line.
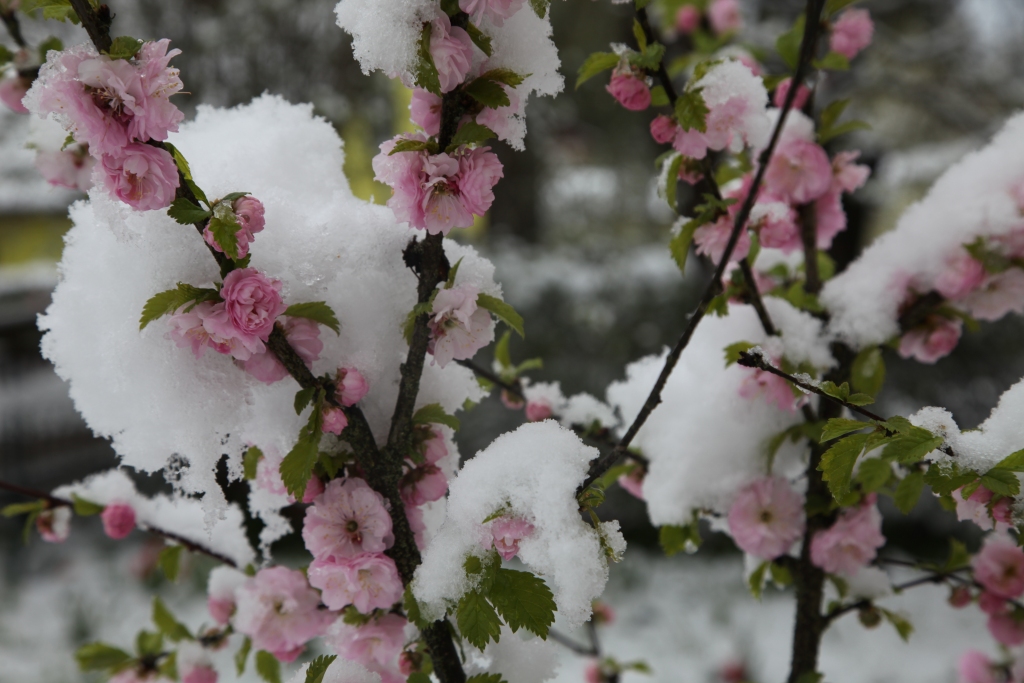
x=767, y=518
x=999, y=569
x=458, y=326
x=247, y=213
x=115, y=106
x=851, y=542
x=240, y=324
x=350, y=387
x=347, y=529
x=423, y=480
x=980, y=508
x=377, y=645
x=71, y=168
x=438, y=192
x=268, y=478
x=425, y=112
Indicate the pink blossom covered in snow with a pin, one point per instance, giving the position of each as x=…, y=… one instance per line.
x=724, y=16
x=933, y=340
x=458, y=327
x=773, y=388
x=851, y=32
x=12, y=91
x=247, y=212
x=118, y=520
x=304, y=336
x=506, y=532
x=348, y=519
x=996, y=296
x=66, y=168
x=54, y=524
x=782, y=91
x=687, y=19
x=350, y=385
x=999, y=567
x=500, y=119
x=495, y=11
x=851, y=542
x=142, y=176
x=280, y=612
x=335, y=420
x=777, y=225
x=976, y=509
x=538, y=409
x=712, y=239
x=369, y=581
x=376, y=645
x=452, y=52
x=962, y=274
x=767, y=518
x=630, y=89
x=423, y=484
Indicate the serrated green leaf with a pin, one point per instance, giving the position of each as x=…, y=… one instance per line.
x=124, y=47
x=833, y=61
x=733, y=351
x=173, y=299
x=185, y=212
x=912, y=447
x=169, y=561
x=873, y=474
x=434, y=413
x=452, y=273
x=859, y=399
x=692, y=111
x=17, y=509
x=524, y=601
x=412, y=609
x=675, y=162
x=1014, y=462
x=168, y=625
x=506, y=76
x=169, y=667
x=426, y=72
x=649, y=59
x=318, y=667
x=842, y=129
x=224, y=227
x=410, y=320
x=267, y=666
x=196, y=190
x=230, y=198
x=470, y=133
x=755, y=582
x=302, y=399
x=488, y=93
x=477, y=620
x=100, y=657
x=659, y=98
x=958, y=556
x=596, y=63
x=909, y=491
x=674, y=539
x=780, y=575
x=867, y=374
x=251, y=459
x=788, y=44
x=480, y=39
x=638, y=33
x=412, y=146
x=1002, y=482
x=679, y=246
x=944, y=481
x=242, y=655
x=502, y=310
x=838, y=461
x=540, y=7
x=60, y=11
x=838, y=426
x=183, y=167
x=297, y=466
x=831, y=113
x=317, y=311
x=85, y=508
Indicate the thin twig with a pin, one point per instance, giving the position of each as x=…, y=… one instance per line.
x=10, y=19
x=865, y=603
x=514, y=388
x=568, y=642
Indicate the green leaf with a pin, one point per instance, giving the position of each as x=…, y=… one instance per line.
x=302, y=399
x=659, y=98
x=488, y=93
x=833, y=6
x=674, y=539
x=692, y=111
x=170, y=561
x=540, y=7
x=733, y=351
x=318, y=667
x=524, y=601
x=486, y=678
x=149, y=643
x=873, y=474
x=85, y=508
x=60, y=10
x=649, y=59
x=833, y=61
x=838, y=461
x=169, y=667
x=679, y=246
x=477, y=620
x=501, y=353
x=224, y=227
x=168, y=625
x=502, y=310
x=824, y=135
x=51, y=43
x=124, y=47
x=811, y=677
x=196, y=190
x=252, y=457
x=675, y=162
x=16, y=509
x=943, y=481
x=418, y=677
x=506, y=76
x=958, y=556
x=788, y=44
x=471, y=133
x=912, y=446
x=410, y=321
x=868, y=371
x=452, y=273
x=413, y=146
x=755, y=582
x=412, y=609
x=480, y=39
x=185, y=212
x=297, y=466
x=638, y=33
x=838, y=426
x=173, y=299
x=1003, y=482
x=1014, y=462
x=100, y=656
x=908, y=491
x=434, y=413
x=267, y=666
x=902, y=626
x=230, y=198
x=242, y=655
x=317, y=311
x=595, y=64
x=182, y=164
x=859, y=399
x=426, y=72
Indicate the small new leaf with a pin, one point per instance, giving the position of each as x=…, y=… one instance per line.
x=873, y=474
x=540, y=7
x=434, y=413
x=902, y=626
x=100, y=656
x=17, y=509
x=833, y=61
x=595, y=64
x=680, y=244
x=477, y=620
x=488, y=93
x=302, y=399
x=506, y=76
x=318, y=667
x=317, y=311
x=838, y=426
x=502, y=310
x=426, y=72
x=838, y=461
x=168, y=625
x=480, y=39
x=908, y=491
x=85, y=508
x=912, y=446
x=124, y=47
x=1014, y=462
x=692, y=111
x=187, y=213
x=1002, y=482
x=867, y=374
x=170, y=561
x=267, y=666
x=242, y=655
x=788, y=44
x=412, y=146
x=251, y=460
x=524, y=601
x=674, y=539
x=471, y=133
x=297, y=466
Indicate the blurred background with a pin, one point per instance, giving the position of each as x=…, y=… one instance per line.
x=579, y=238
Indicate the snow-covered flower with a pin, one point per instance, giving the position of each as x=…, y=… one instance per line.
x=70, y=168
x=506, y=532
x=458, y=327
x=280, y=612
x=348, y=519
x=369, y=581
x=933, y=340
x=54, y=524
x=996, y=296
x=630, y=89
x=376, y=645
x=247, y=212
x=976, y=509
x=538, y=409
x=220, y=592
x=773, y=388
x=767, y=518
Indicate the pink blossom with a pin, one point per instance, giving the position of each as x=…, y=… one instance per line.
x=414, y=516
x=992, y=604
x=933, y=340
x=629, y=89
x=442, y=208
x=962, y=274
x=511, y=401
x=253, y=301
x=433, y=448
x=495, y=11
x=959, y=597
x=458, y=328
x=851, y=32
x=425, y=111
x=138, y=674
x=724, y=122
x=851, y=542
x=538, y=409
x=403, y=172
x=603, y=613
x=975, y=667
x=67, y=168
x=348, y=519
x=663, y=128
x=452, y=52
x=777, y=226
x=799, y=171
x=976, y=509
x=187, y=330
x=142, y=176
x=725, y=16
x=997, y=295
x=479, y=172
x=690, y=143
x=376, y=645
x=767, y=518
x=633, y=482
x=506, y=532
x=224, y=582
x=199, y=674
x=829, y=216
x=247, y=212
x=314, y=487
x=687, y=19
x=369, y=581
x=782, y=91
x=423, y=484
x=999, y=567
x=592, y=672
x=12, y=91
x=712, y=239
x=118, y=520
x=334, y=420
x=1006, y=629
x=304, y=336
x=848, y=176
x=350, y=386
x=54, y=524
x=280, y=612
x=156, y=115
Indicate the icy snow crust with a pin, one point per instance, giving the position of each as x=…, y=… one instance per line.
x=704, y=440
x=533, y=472
x=159, y=404
x=971, y=199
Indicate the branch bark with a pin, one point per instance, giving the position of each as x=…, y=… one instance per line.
x=10, y=19
x=96, y=22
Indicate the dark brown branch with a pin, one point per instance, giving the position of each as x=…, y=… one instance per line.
x=807, y=46
x=514, y=388
x=568, y=642
x=10, y=19
x=809, y=237
x=865, y=603
x=96, y=22
x=755, y=299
